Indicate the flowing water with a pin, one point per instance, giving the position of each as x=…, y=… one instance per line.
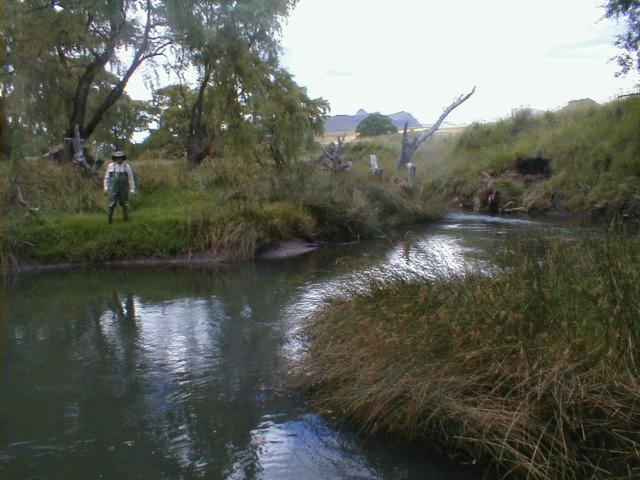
x=178, y=373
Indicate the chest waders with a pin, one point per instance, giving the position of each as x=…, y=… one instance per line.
x=118, y=194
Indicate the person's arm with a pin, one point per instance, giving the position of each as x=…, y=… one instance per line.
x=105, y=183
x=132, y=182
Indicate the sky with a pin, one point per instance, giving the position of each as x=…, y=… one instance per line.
x=419, y=55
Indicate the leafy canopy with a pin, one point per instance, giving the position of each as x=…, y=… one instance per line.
x=375, y=124
x=67, y=63
x=233, y=97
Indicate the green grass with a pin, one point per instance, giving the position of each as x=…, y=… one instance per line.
x=532, y=369
x=226, y=207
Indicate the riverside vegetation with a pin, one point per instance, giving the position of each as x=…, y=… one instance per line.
x=591, y=150
x=532, y=369
x=217, y=207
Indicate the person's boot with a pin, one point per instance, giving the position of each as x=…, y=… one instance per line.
x=110, y=215
x=125, y=213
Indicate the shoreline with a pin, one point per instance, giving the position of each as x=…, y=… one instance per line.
x=207, y=259
x=283, y=250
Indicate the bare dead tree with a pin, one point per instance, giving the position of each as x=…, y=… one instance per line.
x=409, y=146
x=334, y=153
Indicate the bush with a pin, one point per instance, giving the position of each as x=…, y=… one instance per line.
x=375, y=124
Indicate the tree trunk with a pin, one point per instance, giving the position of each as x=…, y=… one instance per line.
x=409, y=146
x=81, y=96
x=198, y=145
x=5, y=137
x=276, y=154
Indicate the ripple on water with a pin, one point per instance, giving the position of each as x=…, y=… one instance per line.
x=306, y=447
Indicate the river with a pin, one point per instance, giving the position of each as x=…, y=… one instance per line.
x=178, y=373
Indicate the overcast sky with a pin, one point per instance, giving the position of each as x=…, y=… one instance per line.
x=418, y=55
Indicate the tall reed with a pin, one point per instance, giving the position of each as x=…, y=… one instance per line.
x=533, y=369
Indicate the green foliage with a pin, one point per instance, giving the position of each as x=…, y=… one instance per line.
x=532, y=369
x=65, y=66
x=169, y=110
x=74, y=72
x=375, y=124
x=125, y=118
x=285, y=118
x=243, y=103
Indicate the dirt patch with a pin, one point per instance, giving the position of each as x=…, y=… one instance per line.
x=517, y=189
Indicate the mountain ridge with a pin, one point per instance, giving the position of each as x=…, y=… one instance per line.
x=348, y=123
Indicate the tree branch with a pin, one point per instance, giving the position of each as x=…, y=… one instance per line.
x=456, y=103
x=116, y=92
x=410, y=146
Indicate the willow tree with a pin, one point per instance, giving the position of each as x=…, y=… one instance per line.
x=285, y=118
x=232, y=88
x=57, y=51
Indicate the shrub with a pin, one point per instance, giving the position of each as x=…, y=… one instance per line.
x=375, y=124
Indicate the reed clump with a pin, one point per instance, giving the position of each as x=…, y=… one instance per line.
x=532, y=369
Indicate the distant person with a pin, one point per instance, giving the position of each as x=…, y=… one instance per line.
x=118, y=182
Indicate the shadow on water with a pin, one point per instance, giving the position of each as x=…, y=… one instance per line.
x=174, y=373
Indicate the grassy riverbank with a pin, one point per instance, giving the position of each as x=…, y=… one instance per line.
x=532, y=370
x=592, y=151
x=222, y=207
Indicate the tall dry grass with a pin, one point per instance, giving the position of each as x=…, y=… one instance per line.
x=533, y=370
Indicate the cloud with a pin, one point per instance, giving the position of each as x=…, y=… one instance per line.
x=587, y=50
x=337, y=74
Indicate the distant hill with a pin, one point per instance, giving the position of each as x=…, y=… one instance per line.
x=348, y=123
x=400, y=118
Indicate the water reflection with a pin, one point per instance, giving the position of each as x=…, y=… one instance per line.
x=177, y=373
x=306, y=447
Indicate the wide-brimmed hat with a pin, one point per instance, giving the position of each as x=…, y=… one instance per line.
x=119, y=154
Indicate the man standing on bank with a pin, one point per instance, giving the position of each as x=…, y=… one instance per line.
x=118, y=182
